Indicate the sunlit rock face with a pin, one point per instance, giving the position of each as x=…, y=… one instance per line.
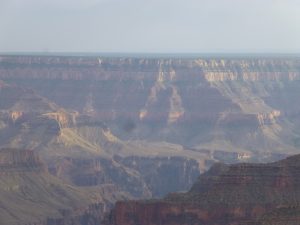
x=238, y=194
x=219, y=104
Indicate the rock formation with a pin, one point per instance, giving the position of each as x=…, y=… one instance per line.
x=227, y=104
x=82, y=150
x=143, y=127
x=257, y=194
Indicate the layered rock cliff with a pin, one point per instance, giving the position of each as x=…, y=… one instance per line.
x=227, y=104
x=82, y=150
x=126, y=124
x=225, y=195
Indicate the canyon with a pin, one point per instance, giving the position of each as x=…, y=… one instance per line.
x=141, y=128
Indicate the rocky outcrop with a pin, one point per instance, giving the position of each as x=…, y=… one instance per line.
x=237, y=194
x=63, y=118
x=268, y=118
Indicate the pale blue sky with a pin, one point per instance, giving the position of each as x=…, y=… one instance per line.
x=170, y=26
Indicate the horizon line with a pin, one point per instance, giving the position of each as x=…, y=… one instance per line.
x=150, y=54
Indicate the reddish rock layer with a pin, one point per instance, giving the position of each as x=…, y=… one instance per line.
x=225, y=195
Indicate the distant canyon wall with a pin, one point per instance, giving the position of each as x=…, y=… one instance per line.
x=201, y=103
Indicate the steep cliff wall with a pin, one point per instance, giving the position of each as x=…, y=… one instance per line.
x=221, y=104
x=237, y=194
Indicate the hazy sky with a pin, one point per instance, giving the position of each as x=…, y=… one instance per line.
x=150, y=25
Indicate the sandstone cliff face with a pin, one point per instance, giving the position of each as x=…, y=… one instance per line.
x=237, y=194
